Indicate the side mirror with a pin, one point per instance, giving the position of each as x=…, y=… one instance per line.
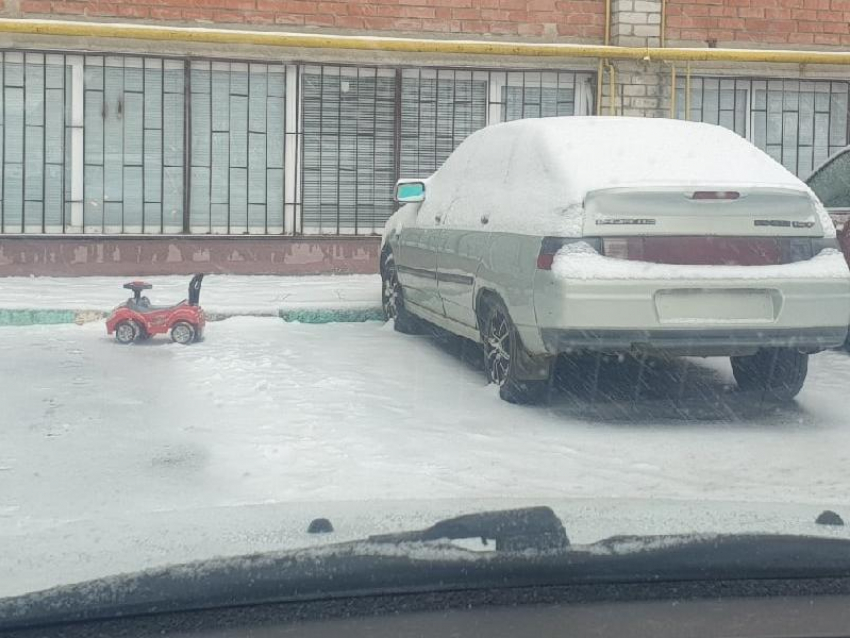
x=409, y=191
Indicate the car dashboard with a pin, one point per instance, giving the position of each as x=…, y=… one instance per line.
x=796, y=608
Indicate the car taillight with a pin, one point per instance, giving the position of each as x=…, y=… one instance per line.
x=803, y=248
x=544, y=261
x=550, y=246
x=716, y=251
x=796, y=249
x=623, y=248
x=615, y=247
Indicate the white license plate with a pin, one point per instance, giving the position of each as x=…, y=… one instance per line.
x=697, y=305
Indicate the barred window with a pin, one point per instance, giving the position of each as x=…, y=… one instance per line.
x=800, y=123
x=439, y=109
x=133, y=149
x=99, y=143
x=533, y=94
x=349, y=149
x=237, y=135
x=33, y=112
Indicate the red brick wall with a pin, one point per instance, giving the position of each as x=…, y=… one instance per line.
x=575, y=18
x=791, y=22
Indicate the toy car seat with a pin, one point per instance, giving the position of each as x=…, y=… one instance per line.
x=137, y=300
x=140, y=303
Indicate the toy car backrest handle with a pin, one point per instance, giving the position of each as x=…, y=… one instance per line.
x=195, y=289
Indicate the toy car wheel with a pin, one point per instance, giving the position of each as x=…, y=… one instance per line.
x=183, y=333
x=127, y=332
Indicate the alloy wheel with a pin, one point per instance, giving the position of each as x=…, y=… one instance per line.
x=392, y=294
x=498, y=339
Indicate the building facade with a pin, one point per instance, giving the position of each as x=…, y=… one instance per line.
x=140, y=156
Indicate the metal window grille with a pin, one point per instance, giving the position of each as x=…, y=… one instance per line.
x=411, y=120
x=439, y=109
x=133, y=145
x=539, y=94
x=93, y=143
x=32, y=144
x=798, y=122
x=348, y=167
x=237, y=147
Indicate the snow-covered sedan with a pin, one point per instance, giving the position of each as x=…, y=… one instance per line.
x=618, y=235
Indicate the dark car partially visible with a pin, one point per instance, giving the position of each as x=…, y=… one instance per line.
x=831, y=183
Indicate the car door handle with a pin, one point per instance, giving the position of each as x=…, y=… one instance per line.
x=485, y=219
x=438, y=218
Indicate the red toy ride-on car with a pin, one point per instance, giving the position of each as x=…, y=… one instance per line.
x=137, y=319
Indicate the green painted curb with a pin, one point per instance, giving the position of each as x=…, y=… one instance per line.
x=333, y=315
x=36, y=317
x=26, y=317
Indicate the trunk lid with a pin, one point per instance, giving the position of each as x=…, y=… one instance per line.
x=730, y=211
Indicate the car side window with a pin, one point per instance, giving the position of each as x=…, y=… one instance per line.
x=832, y=182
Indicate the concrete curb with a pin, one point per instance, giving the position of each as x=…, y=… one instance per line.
x=54, y=316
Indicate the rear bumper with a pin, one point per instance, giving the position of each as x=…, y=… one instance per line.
x=693, y=342
x=700, y=317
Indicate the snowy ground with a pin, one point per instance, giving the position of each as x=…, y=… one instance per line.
x=220, y=294
x=114, y=458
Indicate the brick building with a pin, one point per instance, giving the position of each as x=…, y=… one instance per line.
x=174, y=152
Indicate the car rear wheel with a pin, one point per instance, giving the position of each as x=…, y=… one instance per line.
x=502, y=353
x=392, y=299
x=127, y=332
x=779, y=373
x=183, y=333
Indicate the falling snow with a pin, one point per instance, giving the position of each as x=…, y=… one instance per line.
x=119, y=458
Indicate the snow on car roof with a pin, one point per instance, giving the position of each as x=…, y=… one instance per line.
x=604, y=152
x=532, y=176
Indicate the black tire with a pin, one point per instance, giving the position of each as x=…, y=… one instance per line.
x=778, y=373
x=502, y=352
x=127, y=332
x=183, y=333
x=392, y=299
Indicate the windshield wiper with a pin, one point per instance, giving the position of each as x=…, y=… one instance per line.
x=532, y=550
x=530, y=528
